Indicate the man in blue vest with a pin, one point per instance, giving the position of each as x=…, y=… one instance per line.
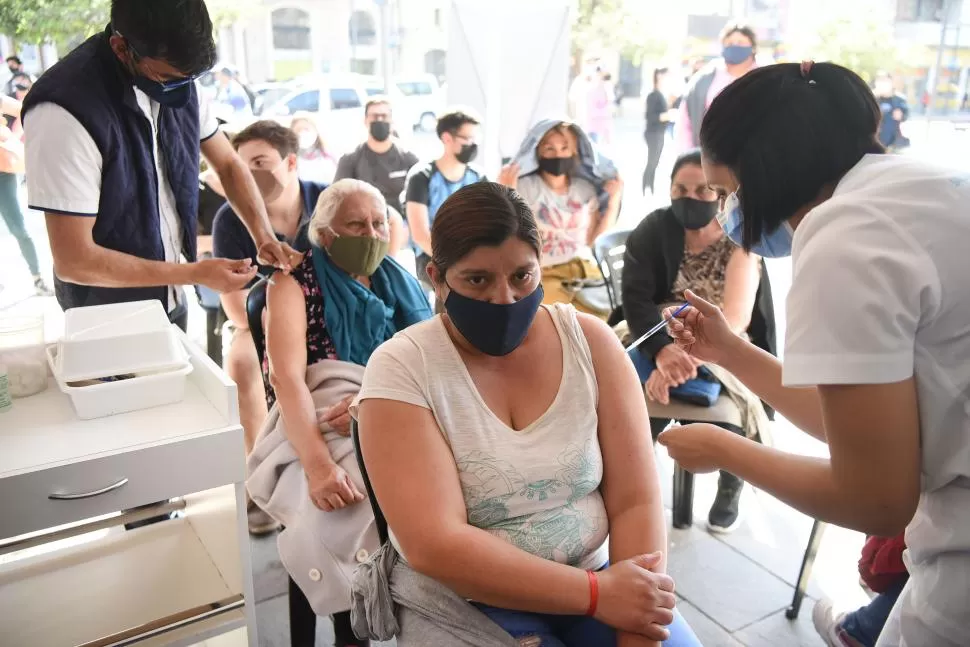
x=113, y=136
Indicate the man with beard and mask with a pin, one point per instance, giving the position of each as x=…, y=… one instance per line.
x=575, y=196
x=678, y=248
x=113, y=137
x=270, y=150
x=739, y=45
x=381, y=160
x=429, y=185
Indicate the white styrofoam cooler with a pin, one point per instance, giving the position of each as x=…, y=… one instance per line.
x=111, y=398
x=117, y=339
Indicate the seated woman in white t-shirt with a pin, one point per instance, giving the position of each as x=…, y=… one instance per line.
x=509, y=445
x=567, y=211
x=877, y=356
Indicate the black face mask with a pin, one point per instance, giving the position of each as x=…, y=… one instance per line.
x=467, y=153
x=380, y=130
x=557, y=166
x=693, y=214
x=496, y=329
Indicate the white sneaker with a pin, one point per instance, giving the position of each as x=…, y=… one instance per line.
x=828, y=624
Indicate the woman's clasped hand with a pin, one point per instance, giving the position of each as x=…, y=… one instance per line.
x=635, y=599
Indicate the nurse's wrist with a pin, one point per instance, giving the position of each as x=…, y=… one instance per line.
x=734, y=353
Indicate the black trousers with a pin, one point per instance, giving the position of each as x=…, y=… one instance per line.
x=655, y=148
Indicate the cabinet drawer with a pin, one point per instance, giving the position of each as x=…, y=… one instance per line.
x=100, y=486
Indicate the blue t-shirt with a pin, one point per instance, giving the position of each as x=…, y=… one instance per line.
x=428, y=186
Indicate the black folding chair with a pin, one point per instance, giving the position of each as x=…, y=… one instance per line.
x=608, y=251
x=303, y=621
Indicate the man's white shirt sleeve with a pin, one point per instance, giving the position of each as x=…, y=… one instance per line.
x=860, y=286
x=208, y=124
x=63, y=162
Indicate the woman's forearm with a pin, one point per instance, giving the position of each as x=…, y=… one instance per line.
x=761, y=372
x=631, y=536
x=300, y=422
x=486, y=569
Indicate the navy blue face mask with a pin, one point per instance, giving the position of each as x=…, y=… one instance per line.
x=496, y=329
x=737, y=54
x=171, y=94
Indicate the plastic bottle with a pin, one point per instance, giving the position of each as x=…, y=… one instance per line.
x=6, y=402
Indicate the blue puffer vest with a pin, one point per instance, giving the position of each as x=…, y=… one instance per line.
x=92, y=85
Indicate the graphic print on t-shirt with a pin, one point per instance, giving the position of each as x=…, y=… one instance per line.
x=552, y=518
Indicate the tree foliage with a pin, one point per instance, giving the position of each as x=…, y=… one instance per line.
x=67, y=22
x=613, y=26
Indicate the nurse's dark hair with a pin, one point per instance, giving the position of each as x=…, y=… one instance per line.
x=177, y=31
x=786, y=135
x=484, y=214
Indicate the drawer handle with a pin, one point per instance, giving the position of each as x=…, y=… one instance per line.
x=88, y=495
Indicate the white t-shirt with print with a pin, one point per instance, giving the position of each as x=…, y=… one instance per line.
x=564, y=219
x=536, y=488
x=64, y=167
x=881, y=293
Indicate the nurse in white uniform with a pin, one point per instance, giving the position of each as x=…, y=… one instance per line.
x=877, y=357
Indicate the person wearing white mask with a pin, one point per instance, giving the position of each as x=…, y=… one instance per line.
x=314, y=161
x=877, y=356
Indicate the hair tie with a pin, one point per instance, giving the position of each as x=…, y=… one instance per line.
x=807, y=68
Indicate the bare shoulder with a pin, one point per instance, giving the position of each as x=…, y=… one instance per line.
x=283, y=288
x=603, y=342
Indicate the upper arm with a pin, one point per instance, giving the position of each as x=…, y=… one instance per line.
x=741, y=279
x=345, y=167
x=418, y=218
x=63, y=163
x=638, y=284
x=416, y=189
x=286, y=327
x=872, y=431
x=629, y=471
x=71, y=239
x=408, y=461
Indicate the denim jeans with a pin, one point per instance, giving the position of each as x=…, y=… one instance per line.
x=865, y=624
x=575, y=631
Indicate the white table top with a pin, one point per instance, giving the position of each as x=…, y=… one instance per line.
x=43, y=431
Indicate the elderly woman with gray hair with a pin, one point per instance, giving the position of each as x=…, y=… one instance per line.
x=324, y=321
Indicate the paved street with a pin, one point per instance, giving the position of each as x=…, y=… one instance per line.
x=733, y=589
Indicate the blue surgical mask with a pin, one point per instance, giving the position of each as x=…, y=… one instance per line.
x=172, y=94
x=777, y=244
x=736, y=54
x=496, y=329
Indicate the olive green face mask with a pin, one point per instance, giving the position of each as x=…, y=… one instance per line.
x=358, y=255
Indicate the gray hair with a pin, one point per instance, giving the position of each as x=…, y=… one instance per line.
x=333, y=197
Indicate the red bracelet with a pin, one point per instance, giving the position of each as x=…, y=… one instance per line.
x=594, y=593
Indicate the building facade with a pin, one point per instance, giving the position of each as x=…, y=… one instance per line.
x=282, y=39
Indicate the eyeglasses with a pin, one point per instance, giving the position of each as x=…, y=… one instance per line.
x=168, y=85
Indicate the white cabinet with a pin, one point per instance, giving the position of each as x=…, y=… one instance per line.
x=178, y=582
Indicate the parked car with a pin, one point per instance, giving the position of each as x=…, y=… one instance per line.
x=422, y=98
x=267, y=94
